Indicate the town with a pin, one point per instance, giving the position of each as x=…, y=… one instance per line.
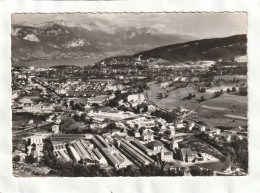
x=131, y=116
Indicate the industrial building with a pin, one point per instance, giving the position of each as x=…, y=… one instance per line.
x=61, y=152
x=74, y=153
x=135, y=154
x=112, y=155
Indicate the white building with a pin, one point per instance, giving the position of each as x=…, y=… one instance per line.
x=136, y=98
x=147, y=135
x=31, y=68
x=100, y=116
x=88, y=136
x=166, y=156
x=202, y=128
x=180, y=125
x=151, y=108
x=190, y=125
x=165, y=84
x=137, y=134
x=55, y=129
x=172, y=131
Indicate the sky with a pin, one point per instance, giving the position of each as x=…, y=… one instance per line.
x=200, y=25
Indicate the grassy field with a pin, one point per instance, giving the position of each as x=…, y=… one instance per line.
x=218, y=88
x=176, y=97
x=228, y=110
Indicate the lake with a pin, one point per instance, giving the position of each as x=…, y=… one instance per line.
x=53, y=62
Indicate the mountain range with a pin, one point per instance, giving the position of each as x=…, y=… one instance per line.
x=63, y=39
x=226, y=48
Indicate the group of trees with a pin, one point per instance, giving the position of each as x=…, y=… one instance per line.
x=190, y=96
x=161, y=95
x=233, y=153
x=118, y=97
x=241, y=150
x=110, y=128
x=168, y=116
x=148, y=170
x=243, y=91
x=202, y=99
x=219, y=93
x=16, y=158
x=202, y=89
x=77, y=106
x=233, y=89
x=31, y=159
x=197, y=171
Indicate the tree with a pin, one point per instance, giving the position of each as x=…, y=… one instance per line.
x=79, y=107
x=221, y=91
x=118, y=93
x=228, y=90
x=72, y=105
x=113, y=103
x=189, y=96
x=202, y=98
x=110, y=127
x=217, y=94
x=30, y=159
x=95, y=105
x=137, y=110
x=203, y=89
x=234, y=89
x=145, y=108
x=16, y=158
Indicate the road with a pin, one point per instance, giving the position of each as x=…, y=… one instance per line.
x=183, y=116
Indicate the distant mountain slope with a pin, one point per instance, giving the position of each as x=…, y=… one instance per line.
x=62, y=39
x=207, y=49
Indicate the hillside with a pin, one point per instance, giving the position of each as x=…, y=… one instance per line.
x=62, y=39
x=207, y=49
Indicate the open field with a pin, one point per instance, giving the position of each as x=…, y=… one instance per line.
x=176, y=97
x=213, y=108
x=227, y=110
x=218, y=88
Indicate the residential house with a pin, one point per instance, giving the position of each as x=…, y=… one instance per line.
x=147, y=135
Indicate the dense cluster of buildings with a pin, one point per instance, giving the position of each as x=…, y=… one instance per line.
x=137, y=138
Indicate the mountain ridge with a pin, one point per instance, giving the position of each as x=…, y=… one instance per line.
x=226, y=48
x=212, y=48
x=97, y=39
